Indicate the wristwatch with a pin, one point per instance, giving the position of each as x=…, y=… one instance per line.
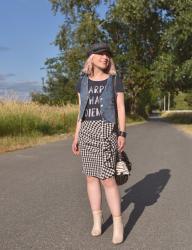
x=122, y=133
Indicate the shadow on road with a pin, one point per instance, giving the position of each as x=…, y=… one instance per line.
x=144, y=193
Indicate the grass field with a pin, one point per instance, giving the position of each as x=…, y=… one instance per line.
x=180, y=103
x=24, y=124
x=181, y=119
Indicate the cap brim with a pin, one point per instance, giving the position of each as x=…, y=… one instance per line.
x=99, y=51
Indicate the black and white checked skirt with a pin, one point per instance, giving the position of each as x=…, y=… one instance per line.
x=98, y=148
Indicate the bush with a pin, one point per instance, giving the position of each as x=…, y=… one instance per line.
x=181, y=117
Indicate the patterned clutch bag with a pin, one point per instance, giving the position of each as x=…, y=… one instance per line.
x=123, y=168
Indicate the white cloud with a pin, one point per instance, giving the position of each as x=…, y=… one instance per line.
x=28, y=82
x=4, y=77
x=21, y=89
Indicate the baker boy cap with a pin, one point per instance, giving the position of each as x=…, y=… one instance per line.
x=98, y=48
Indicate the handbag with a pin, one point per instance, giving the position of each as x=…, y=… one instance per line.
x=123, y=165
x=123, y=168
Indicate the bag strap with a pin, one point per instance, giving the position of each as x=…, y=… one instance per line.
x=81, y=77
x=114, y=84
x=115, y=97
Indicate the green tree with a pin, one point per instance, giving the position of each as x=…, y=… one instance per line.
x=173, y=67
x=135, y=32
x=151, y=40
x=79, y=30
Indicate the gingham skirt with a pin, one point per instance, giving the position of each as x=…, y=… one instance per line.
x=98, y=148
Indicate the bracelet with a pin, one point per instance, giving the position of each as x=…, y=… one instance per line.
x=122, y=133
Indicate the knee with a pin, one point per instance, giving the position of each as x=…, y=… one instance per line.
x=92, y=179
x=109, y=182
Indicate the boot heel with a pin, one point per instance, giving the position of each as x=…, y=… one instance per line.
x=118, y=230
x=97, y=223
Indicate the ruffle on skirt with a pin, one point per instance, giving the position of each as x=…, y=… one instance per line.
x=98, y=148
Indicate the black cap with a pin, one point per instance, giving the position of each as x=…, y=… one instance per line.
x=98, y=48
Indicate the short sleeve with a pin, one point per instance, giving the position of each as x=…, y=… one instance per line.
x=119, y=85
x=78, y=86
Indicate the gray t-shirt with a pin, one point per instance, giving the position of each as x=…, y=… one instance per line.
x=95, y=89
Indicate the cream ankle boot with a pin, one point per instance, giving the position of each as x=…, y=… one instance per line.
x=118, y=230
x=97, y=222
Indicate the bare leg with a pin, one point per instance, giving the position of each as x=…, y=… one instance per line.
x=112, y=195
x=94, y=194
x=114, y=203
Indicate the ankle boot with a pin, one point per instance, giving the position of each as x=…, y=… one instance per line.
x=97, y=223
x=118, y=230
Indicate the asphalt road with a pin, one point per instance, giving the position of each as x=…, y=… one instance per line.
x=44, y=204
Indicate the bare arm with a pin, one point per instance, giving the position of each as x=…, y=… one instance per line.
x=121, y=119
x=121, y=110
x=78, y=122
x=75, y=147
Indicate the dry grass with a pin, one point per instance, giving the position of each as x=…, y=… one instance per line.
x=187, y=129
x=18, y=118
x=179, y=117
x=182, y=120
x=25, y=124
x=12, y=143
x=46, y=112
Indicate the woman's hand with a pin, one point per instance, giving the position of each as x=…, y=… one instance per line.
x=75, y=147
x=121, y=143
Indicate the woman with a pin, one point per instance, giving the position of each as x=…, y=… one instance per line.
x=100, y=132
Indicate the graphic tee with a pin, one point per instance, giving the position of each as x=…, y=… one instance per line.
x=95, y=89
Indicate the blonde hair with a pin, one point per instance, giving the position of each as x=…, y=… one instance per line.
x=89, y=67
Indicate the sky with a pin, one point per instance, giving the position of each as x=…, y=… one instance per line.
x=27, y=31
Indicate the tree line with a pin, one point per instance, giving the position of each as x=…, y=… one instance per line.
x=151, y=41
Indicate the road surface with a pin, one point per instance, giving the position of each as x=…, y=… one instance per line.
x=44, y=204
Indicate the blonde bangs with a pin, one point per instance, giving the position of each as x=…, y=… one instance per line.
x=88, y=67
